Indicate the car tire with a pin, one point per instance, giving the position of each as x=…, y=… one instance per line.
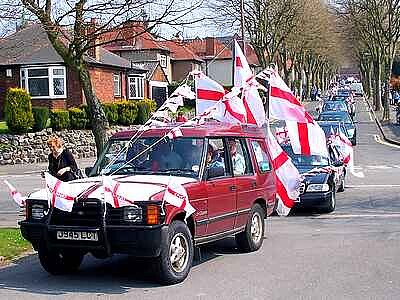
x=176, y=258
x=252, y=237
x=58, y=262
x=331, y=203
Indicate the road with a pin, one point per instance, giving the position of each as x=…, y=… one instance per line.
x=352, y=253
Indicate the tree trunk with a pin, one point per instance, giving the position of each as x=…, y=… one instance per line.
x=97, y=116
x=388, y=75
x=377, y=88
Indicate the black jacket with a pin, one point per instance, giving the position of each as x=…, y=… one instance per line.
x=65, y=159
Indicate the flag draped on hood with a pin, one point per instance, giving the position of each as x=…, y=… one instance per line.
x=61, y=194
x=176, y=195
x=116, y=193
x=287, y=176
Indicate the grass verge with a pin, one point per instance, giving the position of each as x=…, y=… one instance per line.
x=12, y=244
x=3, y=127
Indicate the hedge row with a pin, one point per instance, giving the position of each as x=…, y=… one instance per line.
x=21, y=117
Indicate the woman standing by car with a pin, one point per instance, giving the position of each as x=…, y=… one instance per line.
x=62, y=164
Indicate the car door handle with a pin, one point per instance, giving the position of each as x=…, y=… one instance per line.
x=254, y=184
x=232, y=188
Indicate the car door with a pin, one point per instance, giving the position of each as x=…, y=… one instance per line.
x=221, y=192
x=246, y=183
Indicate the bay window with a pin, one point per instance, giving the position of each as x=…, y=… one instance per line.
x=44, y=82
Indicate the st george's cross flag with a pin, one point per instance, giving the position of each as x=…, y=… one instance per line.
x=208, y=92
x=61, y=194
x=176, y=195
x=116, y=193
x=15, y=195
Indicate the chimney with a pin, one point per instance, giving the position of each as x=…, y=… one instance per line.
x=93, y=52
x=210, y=46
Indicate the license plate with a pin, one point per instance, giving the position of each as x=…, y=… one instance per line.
x=77, y=235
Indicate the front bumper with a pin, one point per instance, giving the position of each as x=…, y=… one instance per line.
x=140, y=241
x=314, y=200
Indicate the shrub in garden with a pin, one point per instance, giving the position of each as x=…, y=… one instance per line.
x=77, y=118
x=127, y=111
x=59, y=119
x=40, y=115
x=145, y=108
x=111, y=111
x=85, y=108
x=18, y=110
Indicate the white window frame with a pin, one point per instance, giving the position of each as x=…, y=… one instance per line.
x=163, y=61
x=139, y=82
x=117, y=83
x=50, y=77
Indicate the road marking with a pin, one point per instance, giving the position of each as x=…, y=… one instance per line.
x=378, y=140
x=354, y=186
x=393, y=215
x=379, y=167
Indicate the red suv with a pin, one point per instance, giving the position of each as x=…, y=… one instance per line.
x=225, y=170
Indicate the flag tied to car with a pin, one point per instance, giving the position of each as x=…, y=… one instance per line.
x=176, y=195
x=288, y=179
x=15, y=195
x=116, y=193
x=175, y=133
x=176, y=99
x=60, y=194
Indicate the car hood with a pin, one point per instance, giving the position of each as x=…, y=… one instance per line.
x=143, y=187
x=317, y=177
x=349, y=126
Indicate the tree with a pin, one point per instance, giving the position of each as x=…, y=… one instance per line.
x=72, y=35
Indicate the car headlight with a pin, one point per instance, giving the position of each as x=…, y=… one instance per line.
x=133, y=214
x=350, y=132
x=38, y=211
x=318, y=187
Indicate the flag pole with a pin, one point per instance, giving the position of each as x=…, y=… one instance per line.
x=242, y=25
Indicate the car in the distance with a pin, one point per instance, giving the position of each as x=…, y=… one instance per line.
x=344, y=117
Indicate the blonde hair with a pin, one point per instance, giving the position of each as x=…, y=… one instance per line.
x=54, y=141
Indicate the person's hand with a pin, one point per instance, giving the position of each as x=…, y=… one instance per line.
x=63, y=170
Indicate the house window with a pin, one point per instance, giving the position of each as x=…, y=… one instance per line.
x=163, y=61
x=136, y=87
x=117, y=85
x=44, y=82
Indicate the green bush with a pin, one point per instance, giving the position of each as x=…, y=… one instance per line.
x=77, y=118
x=41, y=116
x=111, y=111
x=145, y=108
x=59, y=119
x=18, y=110
x=127, y=111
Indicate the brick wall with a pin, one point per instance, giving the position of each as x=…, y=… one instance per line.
x=5, y=83
x=74, y=90
x=103, y=84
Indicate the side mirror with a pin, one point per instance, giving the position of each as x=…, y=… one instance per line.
x=88, y=170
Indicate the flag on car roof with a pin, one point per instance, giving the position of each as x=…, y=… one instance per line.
x=15, y=195
x=208, y=92
x=61, y=194
x=116, y=193
x=288, y=178
x=176, y=195
x=242, y=71
x=175, y=133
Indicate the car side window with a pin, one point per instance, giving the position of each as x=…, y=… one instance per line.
x=240, y=159
x=261, y=155
x=215, y=165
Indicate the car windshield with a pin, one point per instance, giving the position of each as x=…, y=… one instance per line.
x=341, y=117
x=300, y=160
x=151, y=155
x=339, y=98
x=343, y=93
x=334, y=105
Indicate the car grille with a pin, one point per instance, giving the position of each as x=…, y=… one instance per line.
x=302, y=188
x=87, y=212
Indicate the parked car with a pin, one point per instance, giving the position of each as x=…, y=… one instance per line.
x=343, y=117
x=227, y=201
x=323, y=177
x=357, y=89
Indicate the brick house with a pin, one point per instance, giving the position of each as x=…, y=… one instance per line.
x=28, y=60
x=217, y=56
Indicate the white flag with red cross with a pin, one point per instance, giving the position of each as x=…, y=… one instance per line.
x=242, y=71
x=116, y=193
x=176, y=195
x=61, y=194
x=208, y=92
x=288, y=178
x=175, y=133
x=15, y=195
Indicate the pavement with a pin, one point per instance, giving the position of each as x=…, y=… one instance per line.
x=390, y=130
